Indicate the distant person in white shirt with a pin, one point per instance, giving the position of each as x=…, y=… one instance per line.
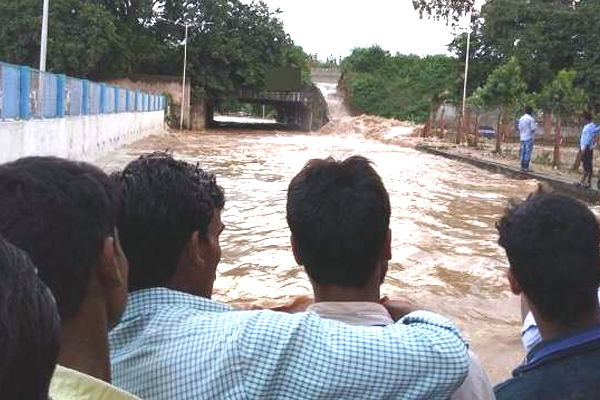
x=527, y=128
x=339, y=215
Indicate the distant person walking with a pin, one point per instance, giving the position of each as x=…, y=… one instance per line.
x=527, y=127
x=587, y=142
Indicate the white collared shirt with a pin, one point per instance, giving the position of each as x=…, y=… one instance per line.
x=477, y=385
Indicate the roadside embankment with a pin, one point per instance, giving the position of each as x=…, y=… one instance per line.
x=561, y=181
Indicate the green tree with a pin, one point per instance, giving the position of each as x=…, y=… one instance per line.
x=565, y=100
x=474, y=104
x=502, y=89
x=82, y=40
x=448, y=10
x=536, y=32
x=403, y=86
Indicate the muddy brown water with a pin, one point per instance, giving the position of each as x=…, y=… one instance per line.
x=445, y=255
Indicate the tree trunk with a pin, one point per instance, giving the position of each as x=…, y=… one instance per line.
x=577, y=162
x=459, y=130
x=557, y=143
x=476, y=130
x=498, y=132
x=443, y=121
x=547, y=125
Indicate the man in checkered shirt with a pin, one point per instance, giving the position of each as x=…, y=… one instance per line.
x=175, y=343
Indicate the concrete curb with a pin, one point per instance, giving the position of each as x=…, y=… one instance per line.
x=561, y=185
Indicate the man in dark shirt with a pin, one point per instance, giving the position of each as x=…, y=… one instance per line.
x=553, y=247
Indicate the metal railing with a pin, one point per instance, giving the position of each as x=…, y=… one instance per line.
x=27, y=93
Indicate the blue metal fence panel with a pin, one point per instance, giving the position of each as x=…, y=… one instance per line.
x=110, y=99
x=122, y=100
x=28, y=93
x=10, y=91
x=49, y=94
x=131, y=101
x=94, y=98
x=74, y=97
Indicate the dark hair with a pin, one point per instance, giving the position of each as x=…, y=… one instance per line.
x=529, y=110
x=339, y=215
x=553, y=247
x=29, y=328
x=59, y=212
x=587, y=116
x=163, y=202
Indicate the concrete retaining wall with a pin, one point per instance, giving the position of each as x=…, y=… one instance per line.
x=559, y=184
x=78, y=138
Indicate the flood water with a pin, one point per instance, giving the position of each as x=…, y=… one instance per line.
x=445, y=255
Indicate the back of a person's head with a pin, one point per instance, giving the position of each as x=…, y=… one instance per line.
x=59, y=212
x=587, y=116
x=529, y=110
x=29, y=328
x=553, y=246
x=339, y=216
x=163, y=202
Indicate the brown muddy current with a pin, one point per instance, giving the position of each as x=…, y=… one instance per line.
x=445, y=255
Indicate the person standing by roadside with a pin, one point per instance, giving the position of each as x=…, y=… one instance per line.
x=527, y=127
x=588, y=139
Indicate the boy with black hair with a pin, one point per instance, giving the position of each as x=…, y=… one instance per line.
x=29, y=328
x=339, y=216
x=63, y=214
x=553, y=247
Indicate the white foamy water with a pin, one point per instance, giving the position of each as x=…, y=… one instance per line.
x=335, y=101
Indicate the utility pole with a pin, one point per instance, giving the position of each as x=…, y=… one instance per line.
x=467, y=57
x=183, y=83
x=44, y=40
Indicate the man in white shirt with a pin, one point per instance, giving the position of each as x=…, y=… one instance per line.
x=339, y=214
x=527, y=128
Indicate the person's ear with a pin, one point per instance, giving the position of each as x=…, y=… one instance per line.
x=194, y=250
x=387, y=246
x=296, y=250
x=515, y=286
x=110, y=270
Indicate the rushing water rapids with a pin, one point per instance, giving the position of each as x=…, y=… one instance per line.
x=445, y=255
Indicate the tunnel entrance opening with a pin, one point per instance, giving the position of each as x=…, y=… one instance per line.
x=243, y=115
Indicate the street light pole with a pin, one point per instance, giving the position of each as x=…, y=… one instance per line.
x=467, y=57
x=183, y=83
x=44, y=40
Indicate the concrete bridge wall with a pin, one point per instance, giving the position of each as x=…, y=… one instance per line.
x=319, y=75
x=80, y=138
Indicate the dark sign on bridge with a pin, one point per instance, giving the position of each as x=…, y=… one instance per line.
x=283, y=80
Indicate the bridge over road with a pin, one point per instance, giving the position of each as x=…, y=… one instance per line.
x=306, y=109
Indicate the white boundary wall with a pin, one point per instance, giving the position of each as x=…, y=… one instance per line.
x=77, y=138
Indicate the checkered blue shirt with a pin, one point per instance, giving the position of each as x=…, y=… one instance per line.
x=174, y=346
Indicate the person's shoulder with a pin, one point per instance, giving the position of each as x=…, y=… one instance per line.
x=68, y=384
x=513, y=388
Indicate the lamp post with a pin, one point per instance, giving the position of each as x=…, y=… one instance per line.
x=183, y=80
x=44, y=39
x=186, y=26
x=467, y=58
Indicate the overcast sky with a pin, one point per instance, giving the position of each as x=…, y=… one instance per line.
x=335, y=27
